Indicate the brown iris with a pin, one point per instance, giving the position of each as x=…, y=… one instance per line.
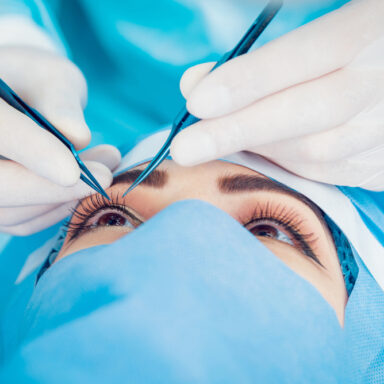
x=111, y=219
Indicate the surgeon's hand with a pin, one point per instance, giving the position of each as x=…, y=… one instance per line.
x=311, y=101
x=39, y=181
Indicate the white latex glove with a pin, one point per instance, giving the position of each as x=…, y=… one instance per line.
x=311, y=101
x=40, y=181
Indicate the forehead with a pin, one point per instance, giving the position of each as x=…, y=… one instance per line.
x=169, y=172
x=215, y=176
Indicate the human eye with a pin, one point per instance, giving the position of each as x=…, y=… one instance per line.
x=96, y=212
x=283, y=224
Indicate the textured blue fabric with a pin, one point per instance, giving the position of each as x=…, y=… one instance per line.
x=364, y=331
x=176, y=301
x=181, y=301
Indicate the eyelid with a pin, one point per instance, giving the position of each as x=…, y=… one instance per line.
x=290, y=220
x=120, y=208
x=91, y=208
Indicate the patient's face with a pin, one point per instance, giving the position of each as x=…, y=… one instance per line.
x=284, y=221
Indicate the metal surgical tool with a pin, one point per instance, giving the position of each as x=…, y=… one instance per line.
x=10, y=97
x=184, y=118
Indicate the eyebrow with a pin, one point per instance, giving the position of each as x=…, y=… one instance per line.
x=235, y=183
x=156, y=179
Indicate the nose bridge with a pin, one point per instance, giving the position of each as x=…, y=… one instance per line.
x=193, y=235
x=187, y=225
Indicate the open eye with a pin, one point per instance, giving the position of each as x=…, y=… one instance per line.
x=110, y=218
x=269, y=229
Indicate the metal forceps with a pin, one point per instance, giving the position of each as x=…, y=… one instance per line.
x=184, y=118
x=10, y=97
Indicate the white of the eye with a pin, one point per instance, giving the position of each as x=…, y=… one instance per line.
x=281, y=236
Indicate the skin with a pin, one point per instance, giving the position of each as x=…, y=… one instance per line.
x=201, y=182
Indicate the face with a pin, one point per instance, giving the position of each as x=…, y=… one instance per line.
x=284, y=221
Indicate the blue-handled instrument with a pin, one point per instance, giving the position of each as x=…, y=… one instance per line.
x=184, y=118
x=10, y=97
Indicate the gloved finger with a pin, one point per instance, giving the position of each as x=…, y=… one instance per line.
x=105, y=154
x=24, y=141
x=362, y=170
x=58, y=91
x=62, y=105
x=192, y=76
x=371, y=164
x=374, y=183
x=18, y=215
x=332, y=145
x=297, y=111
x=315, y=49
x=41, y=222
x=26, y=188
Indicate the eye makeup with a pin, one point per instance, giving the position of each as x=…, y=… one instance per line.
x=268, y=218
x=287, y=220
x=96, y=211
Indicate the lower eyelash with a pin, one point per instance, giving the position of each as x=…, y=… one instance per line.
x=90, y=207
x=287, y=218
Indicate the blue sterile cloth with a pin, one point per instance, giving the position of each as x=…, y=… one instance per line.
x=198, y=300
x=188, y=301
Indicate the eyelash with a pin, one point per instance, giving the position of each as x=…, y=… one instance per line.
x=289, y=220
x=278, y=214
x=90, y=208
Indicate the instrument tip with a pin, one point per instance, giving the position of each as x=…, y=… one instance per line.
x=105, y=194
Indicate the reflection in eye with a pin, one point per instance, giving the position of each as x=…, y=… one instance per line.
x=109, y=219
x=97, y=212
x=265, y=229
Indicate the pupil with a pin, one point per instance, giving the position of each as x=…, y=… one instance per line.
x=111, y=219
x=265, y=231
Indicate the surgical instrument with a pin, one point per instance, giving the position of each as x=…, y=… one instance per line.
x=10, y=97
x=184, y=118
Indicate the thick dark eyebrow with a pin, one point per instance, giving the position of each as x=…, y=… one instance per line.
x=238, y=183
x=156, y=179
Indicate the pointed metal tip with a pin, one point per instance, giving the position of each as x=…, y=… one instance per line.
x=102, y=192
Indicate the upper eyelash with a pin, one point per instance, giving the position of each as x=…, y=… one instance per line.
x=267, y=211
x=288, y=218
x=90, y=207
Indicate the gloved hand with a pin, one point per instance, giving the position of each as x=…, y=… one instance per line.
x=311, y=101
x=40, y=181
